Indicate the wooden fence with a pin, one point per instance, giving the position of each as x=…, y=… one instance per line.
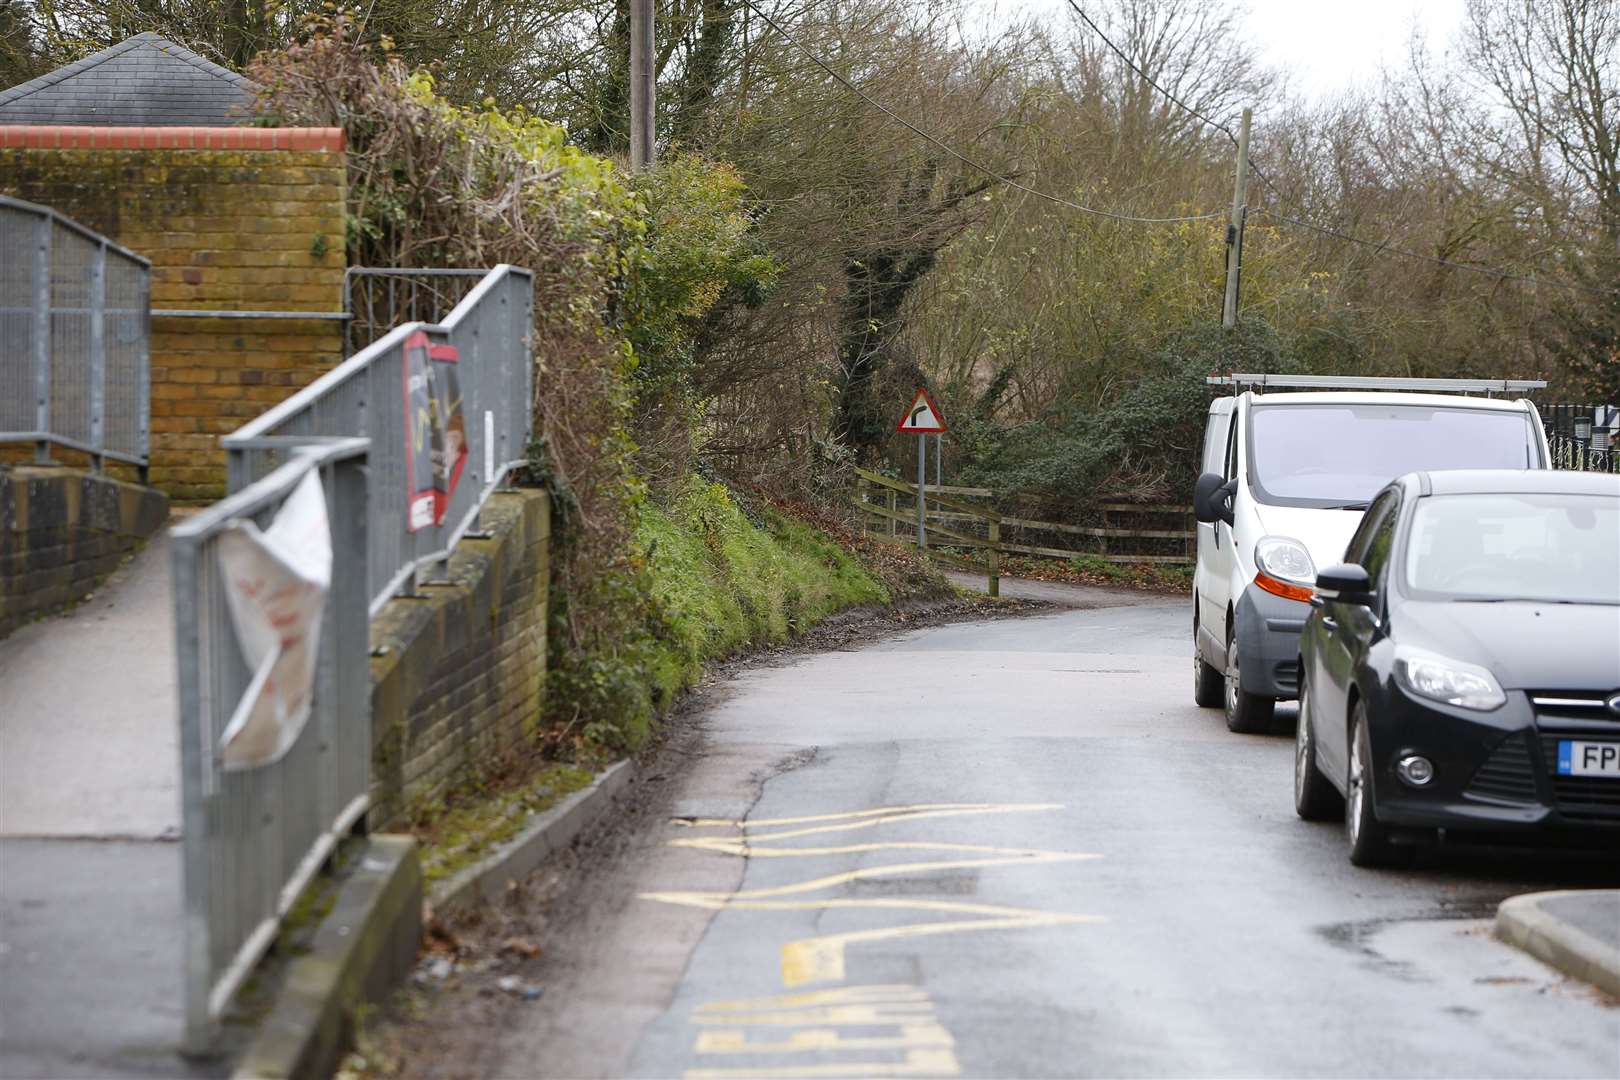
x=1128, y=532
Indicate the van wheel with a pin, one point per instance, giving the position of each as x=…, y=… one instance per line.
x=1246, y=713
x=1209, y=688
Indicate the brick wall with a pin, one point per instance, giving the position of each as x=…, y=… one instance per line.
x=457, y=675
x=61, y=532
x=239, y=228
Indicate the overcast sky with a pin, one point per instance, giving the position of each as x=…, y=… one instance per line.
x=1328, y=44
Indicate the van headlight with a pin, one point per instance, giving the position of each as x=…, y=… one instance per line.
x=1453, y=682
x=1284, y=568
x=1284, y=558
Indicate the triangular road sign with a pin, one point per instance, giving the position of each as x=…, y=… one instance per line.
x=923, y=417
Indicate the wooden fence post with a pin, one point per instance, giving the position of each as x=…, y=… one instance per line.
x=892, y=512
x=994, y=557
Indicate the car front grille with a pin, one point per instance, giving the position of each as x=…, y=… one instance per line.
x=1584, y=705
x=1507, y=776
x=1585, y=797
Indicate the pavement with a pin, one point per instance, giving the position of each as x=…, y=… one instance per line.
x=90, y=893
x=1016, y=848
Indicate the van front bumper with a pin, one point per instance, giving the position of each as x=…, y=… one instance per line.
x=1268, y=628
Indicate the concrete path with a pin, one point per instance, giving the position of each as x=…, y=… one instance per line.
x=87, y=714
x=1017, y=848
x=90, y=894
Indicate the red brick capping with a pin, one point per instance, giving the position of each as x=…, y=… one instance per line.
x=85, y=137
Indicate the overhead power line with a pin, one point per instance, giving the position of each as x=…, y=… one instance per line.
x=1379, y=246
x=1216, y=124
x=952, y=151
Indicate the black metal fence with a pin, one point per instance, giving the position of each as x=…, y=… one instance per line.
x=1583, y=437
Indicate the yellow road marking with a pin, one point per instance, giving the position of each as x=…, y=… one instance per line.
x=892, y=1014
x=821, y=959
x=918, y=1062
x=882, y=811
x=828, y=881
x=840, y=995
x=726, y=845
x=910, y=815
x=736, y=1041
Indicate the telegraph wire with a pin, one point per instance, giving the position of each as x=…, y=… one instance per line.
x=952, y=151
x=1377, y=246
x=1216, y=124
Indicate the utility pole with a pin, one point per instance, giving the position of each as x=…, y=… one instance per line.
x=643, y=85
x=1234, y=231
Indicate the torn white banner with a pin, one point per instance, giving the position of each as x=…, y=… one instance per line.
x=276, y=582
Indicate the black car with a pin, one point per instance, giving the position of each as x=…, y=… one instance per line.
x=1461, y=670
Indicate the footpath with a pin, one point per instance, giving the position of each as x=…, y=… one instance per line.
x=90, y=891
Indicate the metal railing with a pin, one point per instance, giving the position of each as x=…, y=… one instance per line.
x=366, y=395
x=252, y=839
x=376, y=299
x=74, y=338
x=1583, y=437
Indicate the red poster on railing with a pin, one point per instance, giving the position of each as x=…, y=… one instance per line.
x=435, y=430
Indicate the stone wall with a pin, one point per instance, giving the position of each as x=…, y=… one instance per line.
x=61, y=532
x=244, y=218
x=457, y=674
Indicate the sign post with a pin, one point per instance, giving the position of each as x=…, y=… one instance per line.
x=924, y=419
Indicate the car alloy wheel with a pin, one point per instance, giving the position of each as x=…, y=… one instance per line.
x=1369, y=840
x=1314, y=797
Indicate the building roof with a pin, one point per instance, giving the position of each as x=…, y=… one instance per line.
x=145, y=81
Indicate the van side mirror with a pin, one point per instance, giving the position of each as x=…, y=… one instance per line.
x=1212, y=498
x=1346, y=583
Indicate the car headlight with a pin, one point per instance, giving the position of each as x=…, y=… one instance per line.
x=1284, y=558
x=1450, y=681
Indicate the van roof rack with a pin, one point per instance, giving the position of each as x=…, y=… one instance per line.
x=1240, y=381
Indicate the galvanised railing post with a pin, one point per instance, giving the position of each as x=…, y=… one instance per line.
x=98, y=354
x=143, y=380
x=196, y=882
x=42, y=336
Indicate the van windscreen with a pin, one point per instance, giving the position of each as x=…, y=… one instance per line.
x=1340, y=455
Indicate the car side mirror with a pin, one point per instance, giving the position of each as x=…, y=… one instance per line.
x=1346, y=583
x=1212, y=498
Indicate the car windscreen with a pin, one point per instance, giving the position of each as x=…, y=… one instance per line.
x=1339, y=455
x=1516, y=547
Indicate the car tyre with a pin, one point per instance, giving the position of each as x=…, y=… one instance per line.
x=1315, y=798
x=1209, y=688
x=1246, y=713
x=1369, y=840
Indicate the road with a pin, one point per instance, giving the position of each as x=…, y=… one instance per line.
x=1016, y=848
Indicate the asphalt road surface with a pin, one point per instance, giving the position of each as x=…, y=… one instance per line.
x=1017, y=848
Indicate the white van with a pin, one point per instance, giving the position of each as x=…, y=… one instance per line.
x=1285, y=478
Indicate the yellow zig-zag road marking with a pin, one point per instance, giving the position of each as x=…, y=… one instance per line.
x=814, y=1039
x=882, y=811
x=861, y=873
x=877, y=992
x=726, y=845
x=868, y=819
x=918, y=1062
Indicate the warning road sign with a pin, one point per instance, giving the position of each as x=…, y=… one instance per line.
x=924, y=417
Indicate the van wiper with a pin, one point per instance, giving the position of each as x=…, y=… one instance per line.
x=1347, y=506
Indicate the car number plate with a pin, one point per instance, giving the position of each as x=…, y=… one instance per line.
x=1576, y=758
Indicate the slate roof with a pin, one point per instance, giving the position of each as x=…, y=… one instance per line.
x=145, y=81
